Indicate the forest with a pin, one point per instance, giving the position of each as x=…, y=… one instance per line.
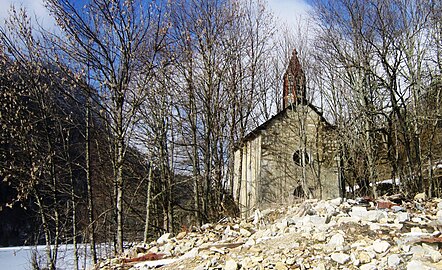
x=121, y=124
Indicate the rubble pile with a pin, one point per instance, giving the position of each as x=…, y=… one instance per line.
x=337, y=234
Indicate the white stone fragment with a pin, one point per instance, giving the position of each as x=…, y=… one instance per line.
x=336, y=240
x=439, y=215
x=394, y=260
x=374, y=226
x=245, y=232
x=153, y=264
x=380, y=246
x=358, y=212
x=257, y=217
x=420, y=196
x=282, y=225
x=338, y=201
x=340, y=258
x=431, y=252
x=402, y=217
x=417, y=251
x=375, y=215
x=418, y=265
x=206, y=226
x=249, y=243
x=230, y=265
x=368, y=266
x=320, y=266
x=163, y=239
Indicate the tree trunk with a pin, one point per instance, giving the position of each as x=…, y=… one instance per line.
x=148, y=200
x=90, y=201
x=119, y=151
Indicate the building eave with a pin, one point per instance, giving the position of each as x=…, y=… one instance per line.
x=258, y=130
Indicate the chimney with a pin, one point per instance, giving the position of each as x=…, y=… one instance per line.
x=294, y=82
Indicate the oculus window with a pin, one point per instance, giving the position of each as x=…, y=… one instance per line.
x=298, y=160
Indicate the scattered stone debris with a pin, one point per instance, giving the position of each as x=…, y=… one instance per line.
x=390, y=233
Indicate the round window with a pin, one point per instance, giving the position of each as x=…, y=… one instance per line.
x=297, y=158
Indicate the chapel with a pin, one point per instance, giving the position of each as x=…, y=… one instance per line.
x=291, y=156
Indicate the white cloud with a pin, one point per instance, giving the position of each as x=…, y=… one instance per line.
x=35, y=8
x=290, y=12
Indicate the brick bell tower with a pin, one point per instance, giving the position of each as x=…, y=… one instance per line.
x=294, y=88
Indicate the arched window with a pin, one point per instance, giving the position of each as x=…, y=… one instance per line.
x=297, y=158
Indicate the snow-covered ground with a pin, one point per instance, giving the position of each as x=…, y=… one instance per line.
x=19, y=258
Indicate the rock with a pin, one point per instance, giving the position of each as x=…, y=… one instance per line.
x=420, y=196
x=380, y=246
x=375, y=215
x=206, y=226
x=230, y=265
x=431, y=253
x=394, y=260
x=364, y=257
x=418, y=265
x=257, y=217
x=337, y=201
x=397, y=208
x=311, y=235
x=167, y=249
x=153, y=264
x=358, y=212
x=417, y=251
x=115, y=261
x=406, y=248
x=355, y=261
x=416, y=219
x=200, y=267
x=416, y=230
x=249, y=243
x=439, y=215
x=181, y=235
x=280, y=266
x=368, y=266
x=217, y=250
x=320, y=266
x=340, y=258
x=290, y=261
x=246, y=263
x=336, y=241
x=245, y=232
x=227, y=230
x=402, y=217
x=348, y=220
x=163, y=239
x=282, y=225
x=317, y=220
x=257, y=259
x=374, y=227
x=154, y=249
x=320, y=237
x=191, y=254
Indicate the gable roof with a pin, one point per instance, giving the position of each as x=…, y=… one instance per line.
x=257, y=131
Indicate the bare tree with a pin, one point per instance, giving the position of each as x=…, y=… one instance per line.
x=110, y=37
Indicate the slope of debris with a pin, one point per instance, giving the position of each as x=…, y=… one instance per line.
x=337, y=234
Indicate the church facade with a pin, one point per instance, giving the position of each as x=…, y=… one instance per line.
x=292, y=155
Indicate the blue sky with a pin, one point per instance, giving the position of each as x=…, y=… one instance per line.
x=287, y=10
